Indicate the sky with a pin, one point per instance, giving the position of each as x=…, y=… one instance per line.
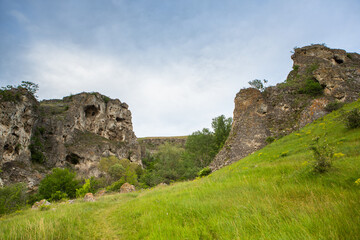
x=177, y=64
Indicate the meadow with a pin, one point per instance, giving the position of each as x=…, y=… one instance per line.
x=273, y=193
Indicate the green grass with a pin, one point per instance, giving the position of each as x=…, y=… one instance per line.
x=271, y=194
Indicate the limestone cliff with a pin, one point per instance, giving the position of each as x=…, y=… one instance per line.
x=320, y=75
x=73, y=132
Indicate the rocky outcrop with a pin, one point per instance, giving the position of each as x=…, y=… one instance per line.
x=151, y=144
x=126, y=188
x=320, y=75
x=18, y=115
x=73, y=132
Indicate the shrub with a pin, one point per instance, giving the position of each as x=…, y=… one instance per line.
x=115, y=186
x=36, y=147
x=270, y=139
x=58, y=195
x=12, y=198
x=323, y=155
x=311, y=87
x=352, y=119
x=332, y=106
x=119, y=169
x=258, y=84
x=204, y=172
x=84, y=189
x=44, y=207
x=59, y=180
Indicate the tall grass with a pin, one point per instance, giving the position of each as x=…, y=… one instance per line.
x=271, y=194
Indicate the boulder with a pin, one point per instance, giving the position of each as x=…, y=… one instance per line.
x=89, y=197
x=126, y=188
x=43, y=202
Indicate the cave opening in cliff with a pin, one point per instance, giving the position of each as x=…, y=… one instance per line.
x=91, y=111
x=338, y=60
x=73, y=158
x=118, y=119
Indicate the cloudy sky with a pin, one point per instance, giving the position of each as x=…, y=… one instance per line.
x=178, y=64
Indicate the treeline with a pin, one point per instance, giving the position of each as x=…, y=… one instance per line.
x=173, y=163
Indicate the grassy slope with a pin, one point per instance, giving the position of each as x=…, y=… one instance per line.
x=271, y=194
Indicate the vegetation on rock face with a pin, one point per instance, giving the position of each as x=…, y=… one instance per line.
x=258, y=84
x=13, y=93
x=36, y=147
x=267, y=195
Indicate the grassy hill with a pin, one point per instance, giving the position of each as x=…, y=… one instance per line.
x=271, y=194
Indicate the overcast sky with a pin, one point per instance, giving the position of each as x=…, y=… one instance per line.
x=177, y=63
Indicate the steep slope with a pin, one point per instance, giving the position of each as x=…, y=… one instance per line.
x=271, y=194
x=73, y=132
x=320, y=76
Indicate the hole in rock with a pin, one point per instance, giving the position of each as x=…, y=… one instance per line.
x=73, y=158
x=338, y=60
x=91, y=111
x=120, y=119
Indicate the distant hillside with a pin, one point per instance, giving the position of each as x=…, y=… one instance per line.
x=273, y=193
x=151, y=144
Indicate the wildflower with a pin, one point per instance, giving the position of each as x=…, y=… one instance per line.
x=260, y=154
x=338, y=155
x=357, y=182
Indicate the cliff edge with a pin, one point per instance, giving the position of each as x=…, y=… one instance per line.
x=320, y=76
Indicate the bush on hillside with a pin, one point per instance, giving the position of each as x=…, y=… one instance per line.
x=332, y=106
x=12, y=198
x=204, y=172
x=352, y=119
x=61, y=180
x=323, y=155
x=58, y=195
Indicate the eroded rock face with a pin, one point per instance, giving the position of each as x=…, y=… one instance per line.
x=74, y=132
x=17, y=119
x=286, y=107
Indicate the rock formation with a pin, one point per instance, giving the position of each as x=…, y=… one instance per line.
x=73, y=132
x=320, y=76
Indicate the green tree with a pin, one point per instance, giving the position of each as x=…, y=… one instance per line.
x=30, y=86
x=59, y=180
x=222, y=127
x=258, y=84
x=201, y=147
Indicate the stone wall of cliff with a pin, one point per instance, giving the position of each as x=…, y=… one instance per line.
x=288, y=106
x=73, y=132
